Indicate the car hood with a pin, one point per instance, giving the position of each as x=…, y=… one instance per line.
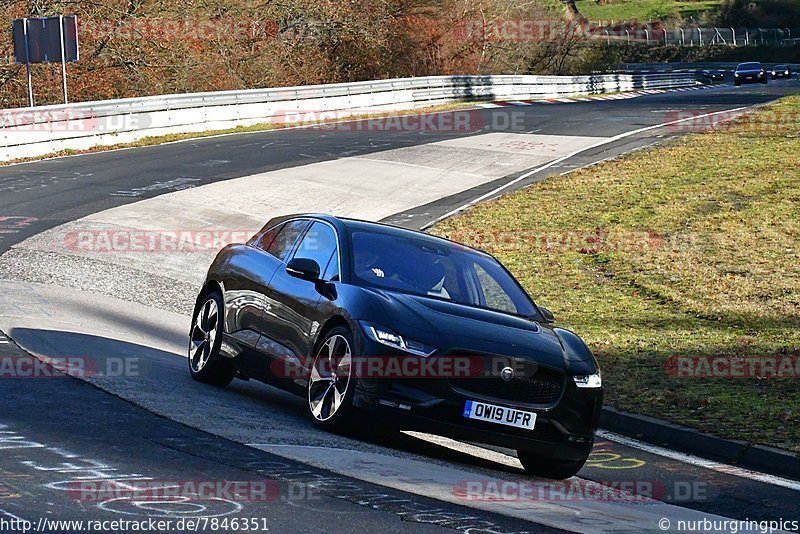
x=749, y=71
x=453, y=327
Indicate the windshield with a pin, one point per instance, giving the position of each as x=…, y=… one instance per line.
x=436, y=269
x=749, y=66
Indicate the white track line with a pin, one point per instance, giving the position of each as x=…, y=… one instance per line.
x=506, y=459
x=572, y=154
x=701, y=462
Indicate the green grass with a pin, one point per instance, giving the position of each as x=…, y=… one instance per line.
x=724, y=281
x=645, y=10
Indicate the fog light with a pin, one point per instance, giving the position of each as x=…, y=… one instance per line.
x=588, y=381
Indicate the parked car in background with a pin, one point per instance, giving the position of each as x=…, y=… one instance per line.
x=752, y=72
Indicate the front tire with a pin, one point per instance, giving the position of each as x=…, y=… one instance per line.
x=206, y=364
x=544, y=467
x=331, y=384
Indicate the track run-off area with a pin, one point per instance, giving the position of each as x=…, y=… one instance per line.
x=65, y=293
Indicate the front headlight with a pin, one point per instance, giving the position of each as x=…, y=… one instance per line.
x=388, y=337
x=736, y=74
x=588, y=381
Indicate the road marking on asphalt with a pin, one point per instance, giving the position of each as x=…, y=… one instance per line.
x=474, y=450
x=446, y=483
x=610, y=460
x=8, y=515
x=701, y=462
x=546, y=166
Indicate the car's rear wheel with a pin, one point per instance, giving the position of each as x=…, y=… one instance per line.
x=545, y=467
x=206, y=364
x=331, y=384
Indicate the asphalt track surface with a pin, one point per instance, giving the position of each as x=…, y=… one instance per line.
x=58, y=430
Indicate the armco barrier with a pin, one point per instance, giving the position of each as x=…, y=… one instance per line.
x=30, y=132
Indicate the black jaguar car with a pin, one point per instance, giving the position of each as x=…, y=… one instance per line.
x=752, y=72
x=361, y=318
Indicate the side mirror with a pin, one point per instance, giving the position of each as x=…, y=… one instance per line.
x=548, y=315
x=303, y=268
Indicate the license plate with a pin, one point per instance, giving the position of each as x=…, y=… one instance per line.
x=501, y=415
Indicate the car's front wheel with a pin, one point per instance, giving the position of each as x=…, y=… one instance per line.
x=206, y=364
x=331, y=385
x=542, y=466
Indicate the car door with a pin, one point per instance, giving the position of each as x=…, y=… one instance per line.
x=246, y=291
x=292, y=318
x=249, y=272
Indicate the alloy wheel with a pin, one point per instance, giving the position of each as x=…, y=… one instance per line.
x=330, y=378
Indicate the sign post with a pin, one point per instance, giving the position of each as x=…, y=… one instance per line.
x=26, y=47
x=46, y=40
x=63, y=56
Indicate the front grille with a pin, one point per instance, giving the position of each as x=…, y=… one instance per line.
x=531, y=383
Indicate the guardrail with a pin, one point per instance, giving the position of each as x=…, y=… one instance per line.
x=642, y=68
x=31, y=132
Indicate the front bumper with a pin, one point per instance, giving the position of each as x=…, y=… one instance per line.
x=564, y=428
x=750, y=78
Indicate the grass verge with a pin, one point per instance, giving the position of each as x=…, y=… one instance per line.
x=645, y=10
x=687, y=250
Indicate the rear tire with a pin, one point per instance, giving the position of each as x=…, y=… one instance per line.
x=331, y=384
x=544, y=467
x=206, y=364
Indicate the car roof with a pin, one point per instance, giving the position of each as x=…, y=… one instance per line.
x=388, y=229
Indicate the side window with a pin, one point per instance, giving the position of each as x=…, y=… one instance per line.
x=267, y=237
x=492, y=292
x=282, y=244
x=318, y=244
x=332, y=272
